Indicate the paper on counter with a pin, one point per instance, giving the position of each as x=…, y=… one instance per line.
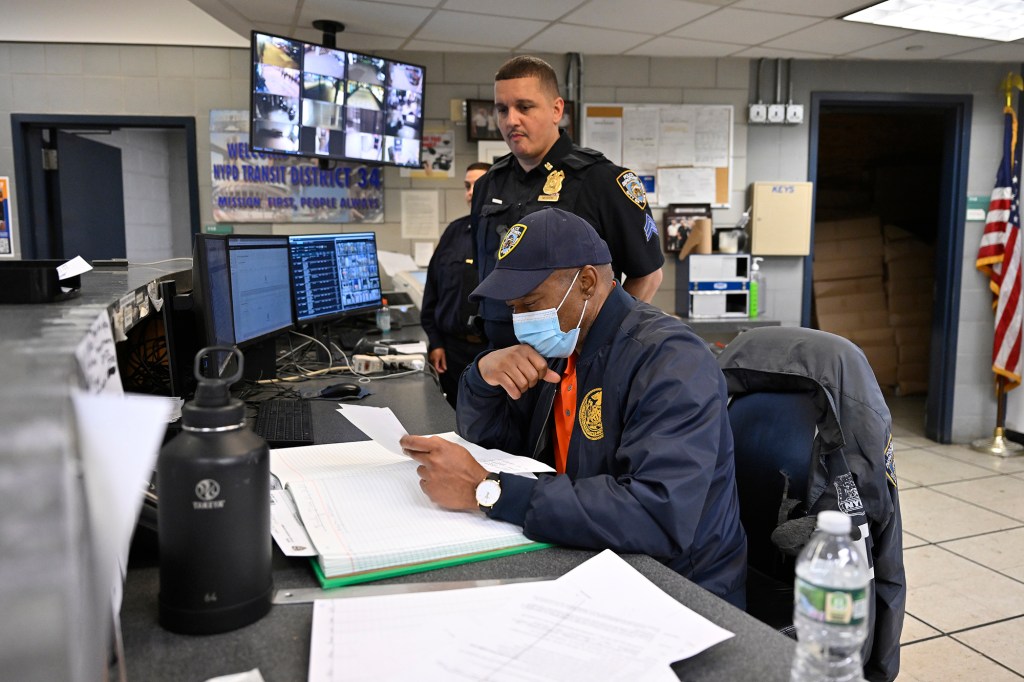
x=286, y=528
x=409, y=348
x=393, y=262
x=253, y=675
x=75, y=266
x=498, y=461
x=97, y=357
x=603, y=620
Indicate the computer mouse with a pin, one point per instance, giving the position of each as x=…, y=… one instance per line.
x=340, y=391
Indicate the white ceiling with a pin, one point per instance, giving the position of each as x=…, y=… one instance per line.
x=664, y=28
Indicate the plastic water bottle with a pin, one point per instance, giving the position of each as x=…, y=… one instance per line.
x=384, y=317
x=831, y=604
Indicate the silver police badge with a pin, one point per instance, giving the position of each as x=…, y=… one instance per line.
x=633, y=187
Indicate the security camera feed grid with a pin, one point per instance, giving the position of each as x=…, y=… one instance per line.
x=310, y=100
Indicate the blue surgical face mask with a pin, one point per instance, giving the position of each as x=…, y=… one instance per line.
x=542, y=330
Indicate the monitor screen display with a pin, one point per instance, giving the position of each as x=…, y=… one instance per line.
x=334, y=275
x=261, y=303
x=315, y=101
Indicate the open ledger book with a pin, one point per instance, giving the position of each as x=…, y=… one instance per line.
x=368, y=519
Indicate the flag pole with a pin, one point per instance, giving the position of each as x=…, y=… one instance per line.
x=998, y=444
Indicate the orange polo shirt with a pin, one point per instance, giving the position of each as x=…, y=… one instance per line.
x=565, y=413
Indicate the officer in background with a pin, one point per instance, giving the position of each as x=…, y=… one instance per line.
x=545, y=170
x=447, y=316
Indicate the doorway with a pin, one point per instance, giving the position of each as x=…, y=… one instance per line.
x=105, y=187
x=901, y=162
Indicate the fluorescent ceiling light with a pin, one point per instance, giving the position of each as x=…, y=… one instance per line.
x=988, y=19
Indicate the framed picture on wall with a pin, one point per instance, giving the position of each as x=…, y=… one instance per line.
x=481, y=120
x=679, y=220
x=489, y=151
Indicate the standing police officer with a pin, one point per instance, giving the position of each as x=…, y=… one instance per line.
x=546, y=169
x=448, y=315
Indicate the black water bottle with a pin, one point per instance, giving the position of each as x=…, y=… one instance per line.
x=213, y=515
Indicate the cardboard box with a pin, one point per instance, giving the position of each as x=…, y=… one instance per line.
x=909, y=248
x=912, y=372
x=895, y=233
x=913, y=353
x=911, y=335
x=849, y=303
x=910, y=319
x=911, y=302
x=842, y=287
x=841, y=249
x=917, y=285
x=847, y=269
x=883, y=363
x=853, y=228
x=838, y=323
x=910, y=268
x=882, y=336
x=910, y=388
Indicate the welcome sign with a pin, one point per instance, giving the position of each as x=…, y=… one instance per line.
x=253, y=187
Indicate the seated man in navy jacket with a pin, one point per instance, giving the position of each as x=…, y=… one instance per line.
x=624, y=401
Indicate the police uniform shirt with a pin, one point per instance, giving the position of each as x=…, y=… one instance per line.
x=451, y=276
x=576, y=179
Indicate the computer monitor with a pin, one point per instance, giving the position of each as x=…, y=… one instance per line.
x=316, y=101
x=334, y=275
x=211, y=290
x=242, y=295
x=261, y=303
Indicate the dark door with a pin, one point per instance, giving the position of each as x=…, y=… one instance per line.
x=89, y=212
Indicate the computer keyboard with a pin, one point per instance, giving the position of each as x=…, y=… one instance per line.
x=285, y=422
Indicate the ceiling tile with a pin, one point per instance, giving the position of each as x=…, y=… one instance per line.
x=649, y=16
x=436, y=46
x=460, y=26
x=684, y=47
x=548, y=10
x=771, y=53
x=837, y=37
x=369, y=18
x=259, y=11
x=812, y=8
x=921, y=45
x=360, y=42
x=1002, y=52
x=562, y=38
x=743, y=26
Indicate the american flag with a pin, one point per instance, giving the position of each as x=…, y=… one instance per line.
x=999, y=256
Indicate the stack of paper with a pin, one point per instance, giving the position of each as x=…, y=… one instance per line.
x=366, y=516
x=601, y=621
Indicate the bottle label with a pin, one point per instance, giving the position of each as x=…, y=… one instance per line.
x=831, y=605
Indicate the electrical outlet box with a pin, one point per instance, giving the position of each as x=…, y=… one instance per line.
x=794, y=113
x=757, y=113
x=776, y=113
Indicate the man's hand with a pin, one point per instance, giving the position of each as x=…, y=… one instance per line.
x=448, y=473
x=516, y=369
x=438, y=360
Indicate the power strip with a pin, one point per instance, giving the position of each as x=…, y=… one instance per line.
x=369, y=364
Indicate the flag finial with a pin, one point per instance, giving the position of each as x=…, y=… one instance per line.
x=1011, y=82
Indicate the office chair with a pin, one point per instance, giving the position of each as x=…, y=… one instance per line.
x=812, y=432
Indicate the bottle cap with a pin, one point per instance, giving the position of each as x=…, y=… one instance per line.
x=384, y=301
x=834, y=522
x=213, y=406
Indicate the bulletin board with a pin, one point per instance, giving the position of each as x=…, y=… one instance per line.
x=682, y=152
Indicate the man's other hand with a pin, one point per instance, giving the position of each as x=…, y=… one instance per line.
x=516, y=369
x=438, y=360
x=448, y=473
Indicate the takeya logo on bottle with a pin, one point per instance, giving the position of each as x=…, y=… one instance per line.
x=207, y=491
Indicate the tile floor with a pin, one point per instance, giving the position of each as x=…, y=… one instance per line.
x=963, y=545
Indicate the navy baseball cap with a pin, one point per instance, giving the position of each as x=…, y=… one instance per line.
x=548, y=240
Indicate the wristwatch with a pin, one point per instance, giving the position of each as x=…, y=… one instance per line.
x=487, y=492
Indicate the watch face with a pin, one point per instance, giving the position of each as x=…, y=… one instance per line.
x=487, y=492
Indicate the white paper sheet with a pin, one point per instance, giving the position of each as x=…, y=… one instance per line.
x=75, y=266
x=422, y=252
x=421, y=214
x=379, y=423
x=409, y=348
x=392, y=262
x=602, y=621
x=97, y=357
x=498, y=460
x=286, y=528
x=119, y=437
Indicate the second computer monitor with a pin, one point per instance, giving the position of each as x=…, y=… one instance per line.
x=334, y=275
